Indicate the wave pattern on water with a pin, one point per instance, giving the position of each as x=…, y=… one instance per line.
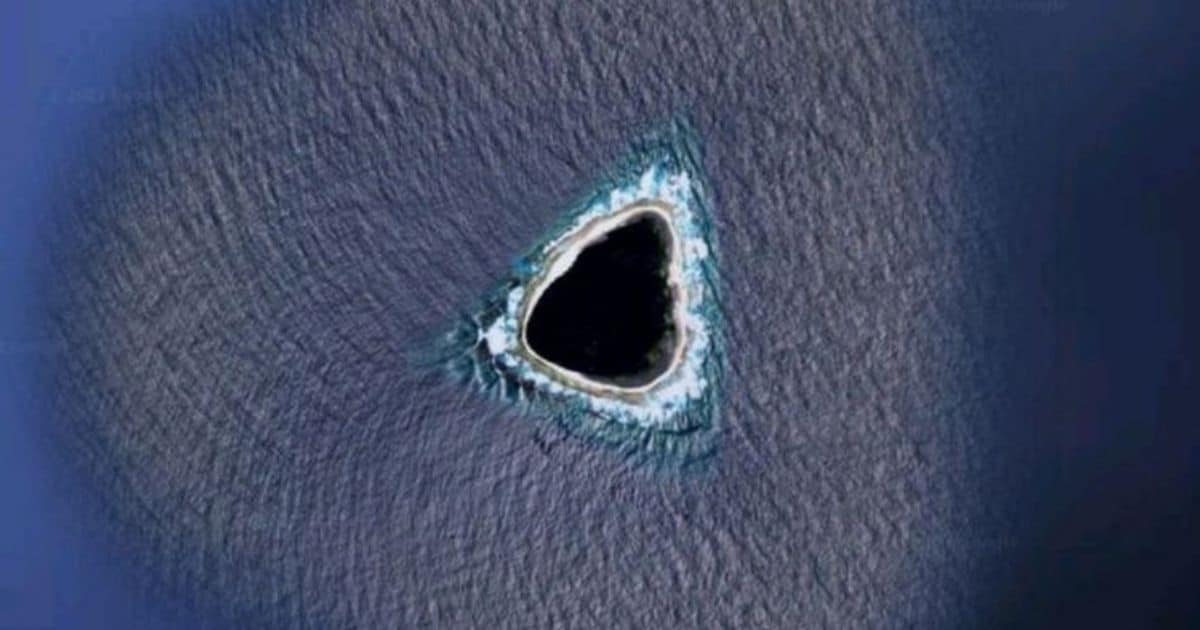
x=250, y=270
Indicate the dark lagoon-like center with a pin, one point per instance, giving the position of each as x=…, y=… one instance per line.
x=609, y=324
x=610, y=316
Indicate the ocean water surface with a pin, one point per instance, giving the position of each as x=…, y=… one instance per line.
x=251, y=258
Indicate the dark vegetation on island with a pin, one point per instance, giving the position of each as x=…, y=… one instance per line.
x=609, y=317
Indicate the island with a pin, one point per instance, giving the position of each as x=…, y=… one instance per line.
x=606, y=313
x=609, y=324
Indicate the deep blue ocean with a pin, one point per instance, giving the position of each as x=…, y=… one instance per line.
x=959, y=387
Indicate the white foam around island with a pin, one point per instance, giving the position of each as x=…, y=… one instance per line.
x=686, y=382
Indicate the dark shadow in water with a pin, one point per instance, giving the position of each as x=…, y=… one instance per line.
x=1097, y=485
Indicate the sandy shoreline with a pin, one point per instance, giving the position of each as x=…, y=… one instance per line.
x=562, y=260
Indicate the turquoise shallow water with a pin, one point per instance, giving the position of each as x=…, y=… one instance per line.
x=675, y=423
